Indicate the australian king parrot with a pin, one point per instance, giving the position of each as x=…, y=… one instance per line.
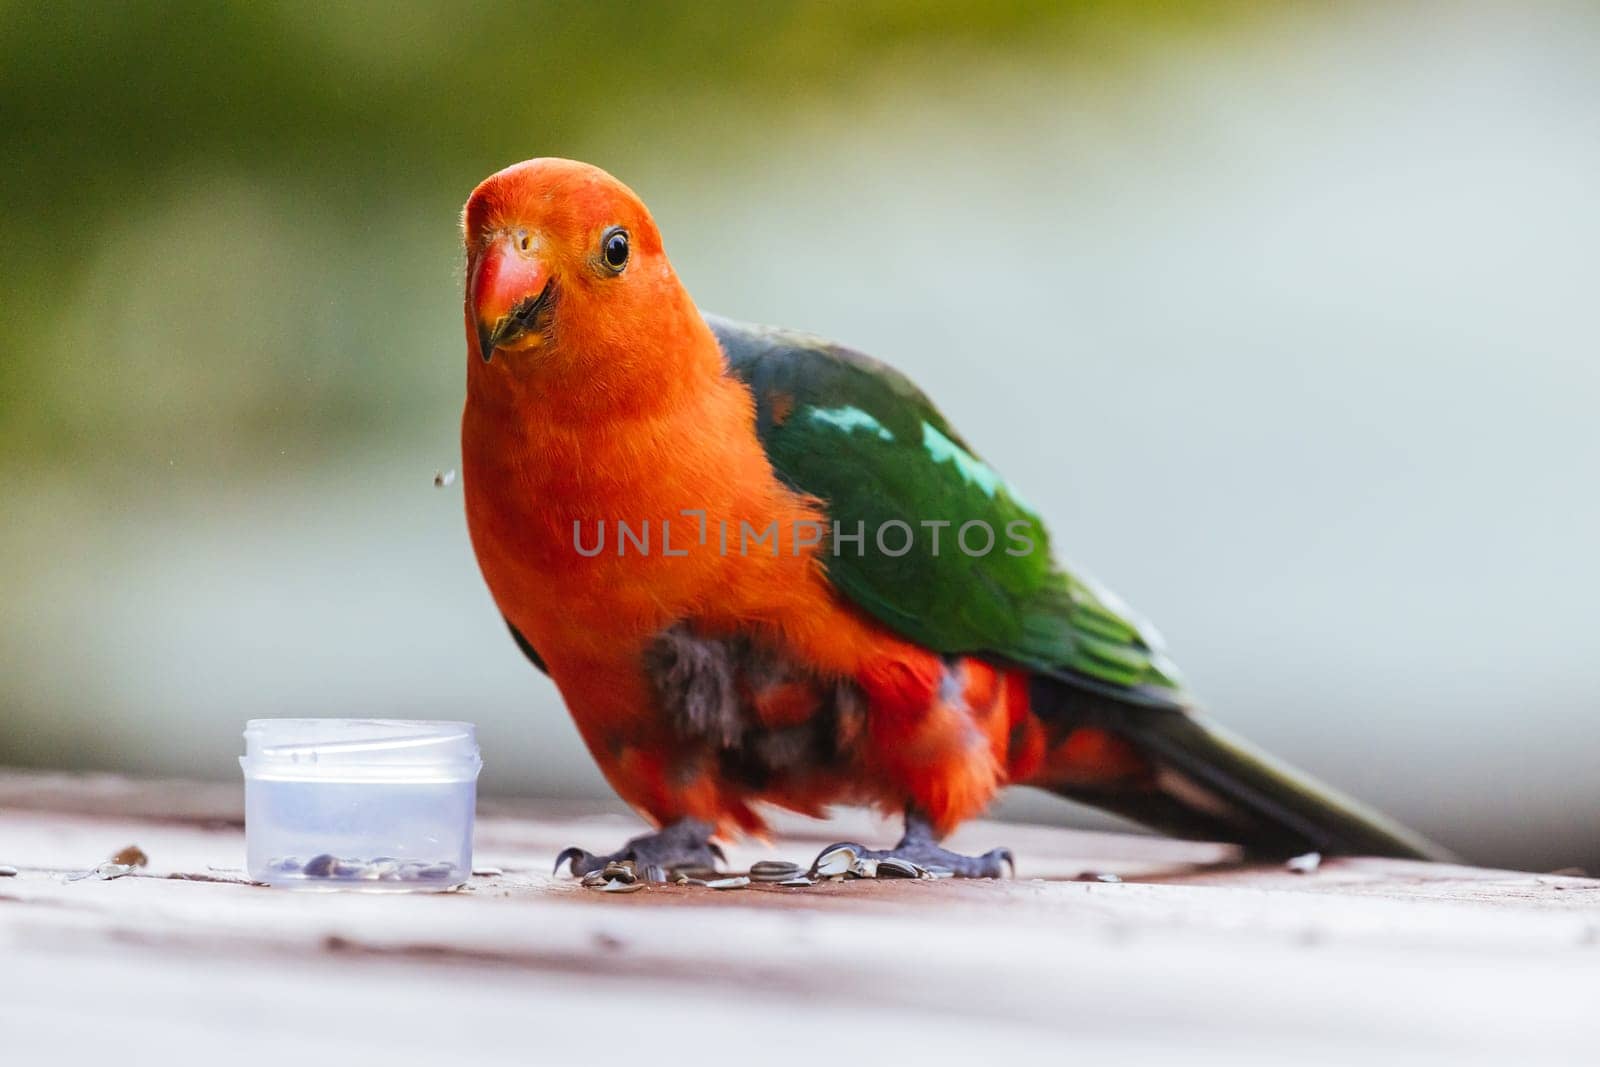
x=764, y=570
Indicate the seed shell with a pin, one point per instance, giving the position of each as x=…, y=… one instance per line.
x=1305, y=864
x=835, y=861
x=621, y=870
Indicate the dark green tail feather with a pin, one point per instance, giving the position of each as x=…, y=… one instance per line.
x=1211, y=785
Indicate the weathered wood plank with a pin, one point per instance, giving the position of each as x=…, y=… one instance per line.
x=1192, y=955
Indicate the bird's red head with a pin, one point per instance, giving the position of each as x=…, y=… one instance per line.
x=564, y=268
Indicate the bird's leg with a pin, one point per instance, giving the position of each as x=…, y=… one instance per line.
x=919, y=846
x=685, y=843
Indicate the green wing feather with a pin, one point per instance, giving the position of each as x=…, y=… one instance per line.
x=861, y=437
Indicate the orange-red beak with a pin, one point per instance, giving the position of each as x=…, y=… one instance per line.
x=510, y=291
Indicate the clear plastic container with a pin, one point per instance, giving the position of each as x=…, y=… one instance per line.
x=367, y=804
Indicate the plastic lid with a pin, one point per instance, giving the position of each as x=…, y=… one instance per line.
x=361, y=750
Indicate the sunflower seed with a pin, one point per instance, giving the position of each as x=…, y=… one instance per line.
x=444, y=479
x=487, y=872
x=131, y=856
x=618, y=886
x=320, y=866
x=349, y=869
x=796, y=883
x=437, y=872
x=385, y=869
x=835, y=861
x=595, y=879
x=1096, y=876
x=938, y=872
x=1305, y=864
x=7, y=871
x=736, y=882
x=895, y=867
x=654, y=872
x=696, y=871
x=773, y=870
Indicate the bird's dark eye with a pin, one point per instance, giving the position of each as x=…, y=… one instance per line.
x=614, y=249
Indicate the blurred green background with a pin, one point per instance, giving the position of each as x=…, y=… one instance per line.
x=1283, y=314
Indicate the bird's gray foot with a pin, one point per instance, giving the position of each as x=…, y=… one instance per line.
x=918, y=846
x=685, y=843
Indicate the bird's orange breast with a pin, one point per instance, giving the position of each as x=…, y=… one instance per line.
x=595, y=538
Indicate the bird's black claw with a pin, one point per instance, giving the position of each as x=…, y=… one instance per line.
x=582, y=862
x=685, y=843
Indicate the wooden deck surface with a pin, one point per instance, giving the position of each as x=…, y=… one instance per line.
x=1192, y=958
